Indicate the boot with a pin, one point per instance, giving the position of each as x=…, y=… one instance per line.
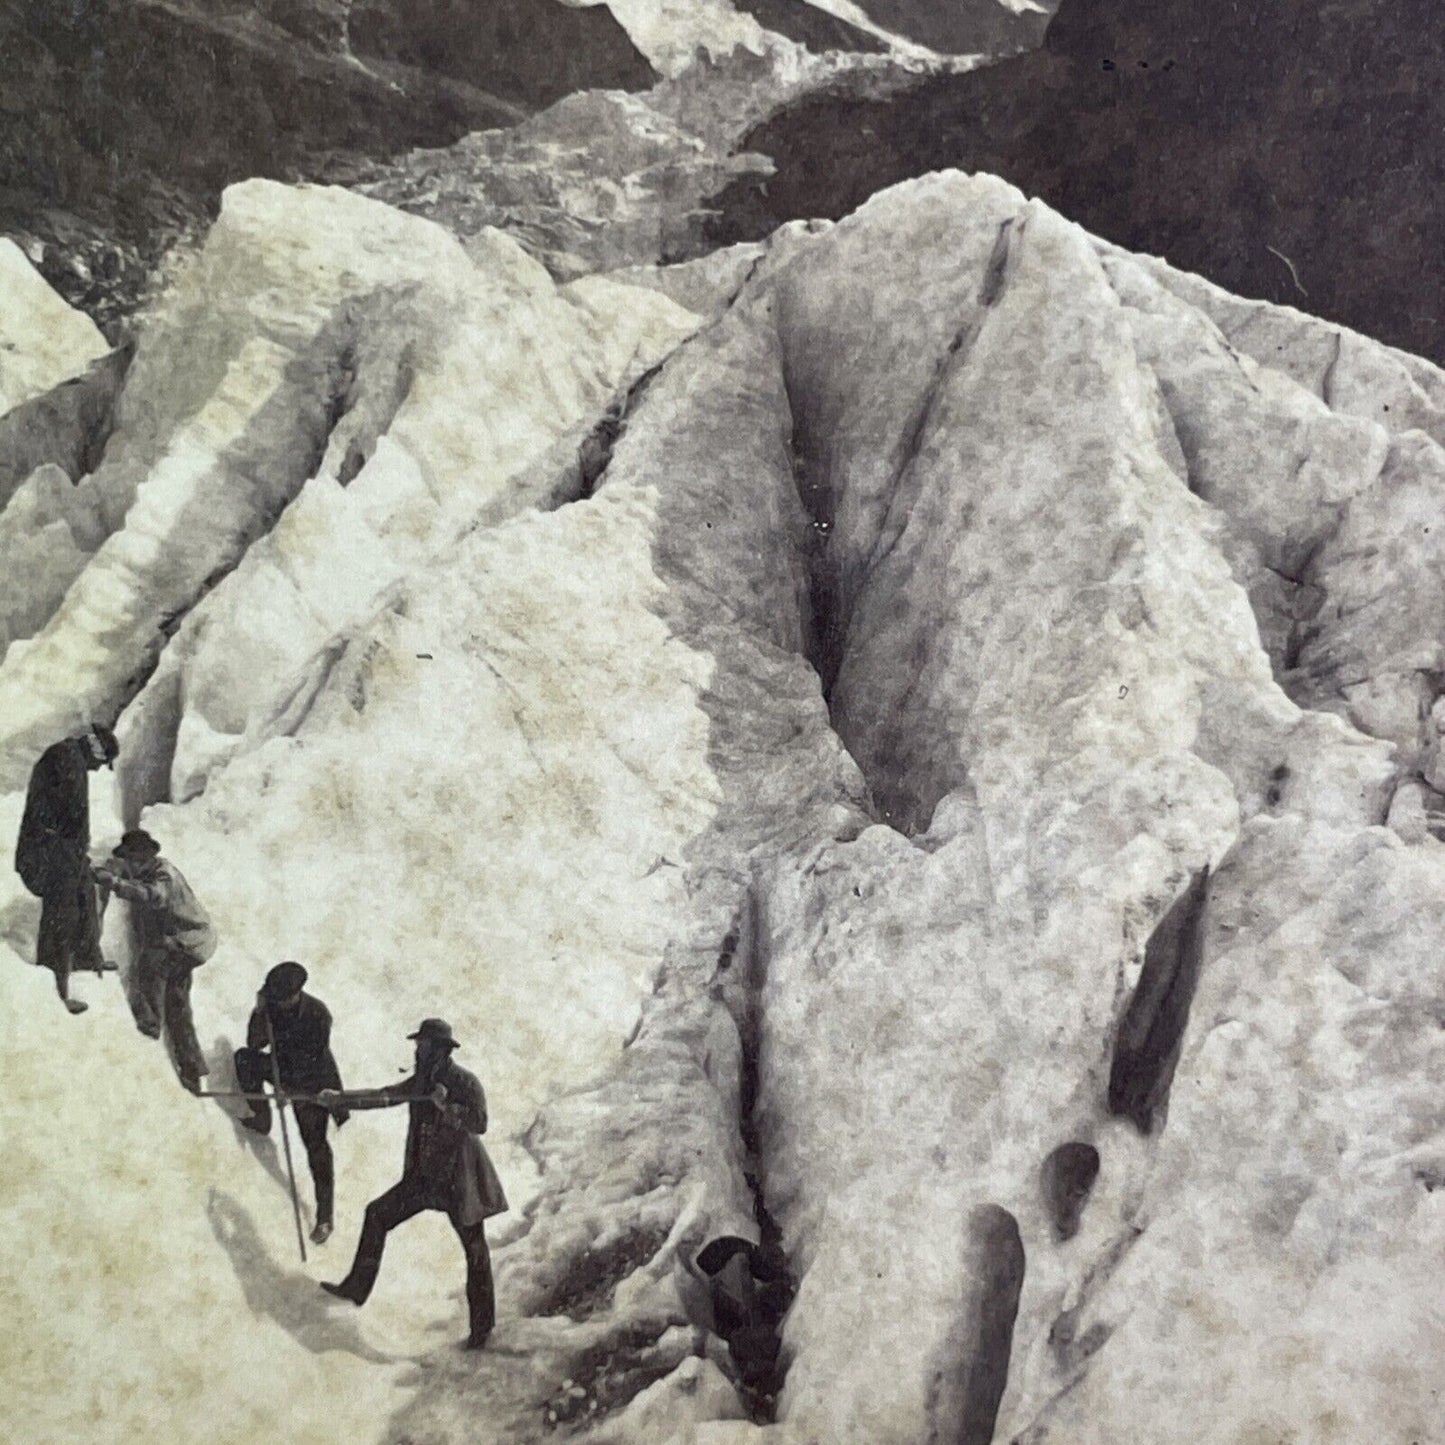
x=258, y=1119
x=322, y=1232
x=76, y=1006
x=341, y=1291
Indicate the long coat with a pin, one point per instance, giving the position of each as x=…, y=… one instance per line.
x=303, y=1044
x=445, y=1159
x=52, y=849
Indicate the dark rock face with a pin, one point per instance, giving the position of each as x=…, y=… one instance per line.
x=954, y=27
x=960, y=27
x=810, y=26
x=526, y=52
x=1287, y=151
x=121, y=120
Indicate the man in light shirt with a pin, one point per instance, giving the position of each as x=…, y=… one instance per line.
x=174, y=937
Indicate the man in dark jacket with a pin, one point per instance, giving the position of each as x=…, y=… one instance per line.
x=173, y=938
x=52, y=855
x=445, y=1168
x=300, y=1026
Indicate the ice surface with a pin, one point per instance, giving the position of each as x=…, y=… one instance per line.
x=42, y=340
x=801, y=821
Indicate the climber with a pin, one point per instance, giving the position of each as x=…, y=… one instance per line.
x=445, y=1167
x=173, y=938
x=746, y=1292
x=52, y=855
x=297, y=1029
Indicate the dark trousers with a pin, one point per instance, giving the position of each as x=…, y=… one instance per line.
x=69, y=928
x=253, y=1069
x=396, y=1206
x=161, y=994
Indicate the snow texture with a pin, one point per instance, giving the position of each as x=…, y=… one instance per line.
x=42, y=340
x=936, y=764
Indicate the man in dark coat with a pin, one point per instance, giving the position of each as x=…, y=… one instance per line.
x=52, y=855
x=445, y=1168
x=300, y=1026
x=173, y=937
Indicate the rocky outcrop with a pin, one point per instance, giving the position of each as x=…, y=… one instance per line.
x=672, y=35
x=124, y=119
x=1174, y=129
x=977, y=27
x=812, y=26
x=891, y=783
x=600, y=181
x=528, y=53
x=96, y=187
x=605, y=180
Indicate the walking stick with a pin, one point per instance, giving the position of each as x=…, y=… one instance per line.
x=296, y=1098
x=285, y=1137
x=242, y=1094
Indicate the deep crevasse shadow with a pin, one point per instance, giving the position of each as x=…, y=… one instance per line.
x=291, y=1299
x=1151, y=1033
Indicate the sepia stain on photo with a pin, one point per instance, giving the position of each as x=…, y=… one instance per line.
x=721, y=722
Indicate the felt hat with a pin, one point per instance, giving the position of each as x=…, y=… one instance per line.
x=438, y=1030
x=136, y=846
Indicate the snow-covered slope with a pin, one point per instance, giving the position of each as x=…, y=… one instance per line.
x=606, y=179
x=670, y=33
x=152, y=1253
x=933, y=768
x=42, y=341
x=274, y=363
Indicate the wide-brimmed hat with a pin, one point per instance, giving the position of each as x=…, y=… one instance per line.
x=136, y=846
x=438, y=1030
x=284, y=980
